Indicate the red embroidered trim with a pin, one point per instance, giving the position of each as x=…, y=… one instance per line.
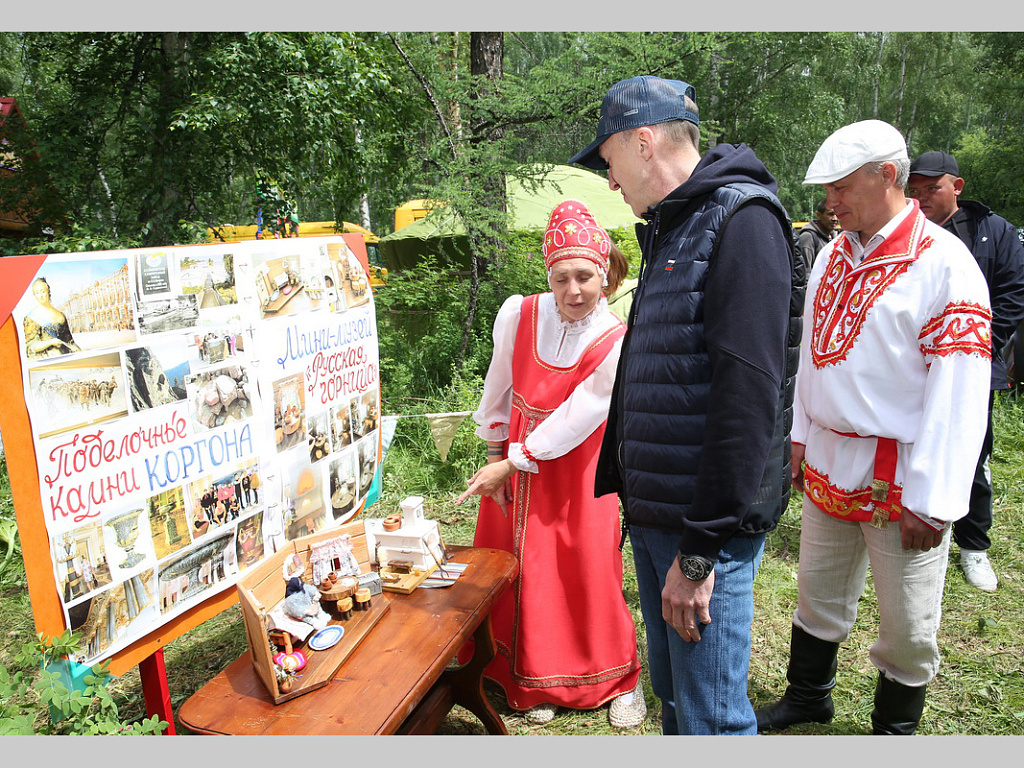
x=496, y=424
x=841, y=305
x=527, y=453
x=846, y=293
x=849, y=505
x=961, y=328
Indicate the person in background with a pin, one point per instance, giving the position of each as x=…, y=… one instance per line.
x=890, y=399
x=564, y=634
x=697, y=443
x=936, y=184
x=815, y=234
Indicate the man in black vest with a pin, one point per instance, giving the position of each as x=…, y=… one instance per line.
x=936, y=183
x=697, y=442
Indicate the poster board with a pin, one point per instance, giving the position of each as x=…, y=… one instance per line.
x=175, y=415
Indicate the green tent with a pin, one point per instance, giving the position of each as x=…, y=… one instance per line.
x=530, y=203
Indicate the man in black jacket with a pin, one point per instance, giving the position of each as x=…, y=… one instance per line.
x=697, y=444
x=936, y=183
x=815, y=234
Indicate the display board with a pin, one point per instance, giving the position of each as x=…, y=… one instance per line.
x=190, y=410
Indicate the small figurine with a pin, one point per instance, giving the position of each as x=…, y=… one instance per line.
x=301, y=600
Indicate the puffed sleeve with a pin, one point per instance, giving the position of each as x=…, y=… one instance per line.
x=492, y=415
x=573, y=421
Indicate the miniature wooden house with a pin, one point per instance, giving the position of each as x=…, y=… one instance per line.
x=261, y=592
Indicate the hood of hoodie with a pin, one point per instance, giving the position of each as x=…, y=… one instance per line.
x=721, y=165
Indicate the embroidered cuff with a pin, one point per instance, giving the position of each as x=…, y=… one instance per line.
x=519, y=456
x=495, y=433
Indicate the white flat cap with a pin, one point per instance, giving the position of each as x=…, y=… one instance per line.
x=846, y=150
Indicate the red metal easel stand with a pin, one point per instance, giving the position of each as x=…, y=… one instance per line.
x=153, y=674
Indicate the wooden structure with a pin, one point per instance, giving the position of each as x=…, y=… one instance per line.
x=399, y=680
x=262, y=589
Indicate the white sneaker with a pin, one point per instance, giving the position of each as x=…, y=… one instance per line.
x=978, y=570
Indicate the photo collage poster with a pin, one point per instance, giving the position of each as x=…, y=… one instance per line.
x=193, y=409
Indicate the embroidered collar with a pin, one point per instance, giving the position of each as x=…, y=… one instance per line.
x=574, y=327
x=900, y=244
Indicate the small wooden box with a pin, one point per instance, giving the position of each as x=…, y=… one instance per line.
x=418, y=542
x=262, y=589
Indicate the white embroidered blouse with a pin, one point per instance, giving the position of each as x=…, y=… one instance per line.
x=559, y=343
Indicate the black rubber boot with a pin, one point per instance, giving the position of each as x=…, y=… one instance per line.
x=811, y=676
x=898, y=708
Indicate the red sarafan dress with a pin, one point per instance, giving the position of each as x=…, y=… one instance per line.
x=563, y=631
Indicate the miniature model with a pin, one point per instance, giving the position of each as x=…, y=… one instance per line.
x=301, y=600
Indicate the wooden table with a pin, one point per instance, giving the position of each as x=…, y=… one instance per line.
x=397, y=680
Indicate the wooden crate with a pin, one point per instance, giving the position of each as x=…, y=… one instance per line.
x=262, y=588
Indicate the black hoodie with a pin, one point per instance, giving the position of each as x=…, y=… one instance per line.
x=697, y=442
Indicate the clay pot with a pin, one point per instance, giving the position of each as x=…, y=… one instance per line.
x=284, y=686
x=333, y=577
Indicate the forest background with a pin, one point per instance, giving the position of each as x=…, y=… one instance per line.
x=149, y=138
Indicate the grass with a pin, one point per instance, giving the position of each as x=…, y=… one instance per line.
x=979, y=689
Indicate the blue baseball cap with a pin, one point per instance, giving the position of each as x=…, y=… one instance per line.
x=634, y=103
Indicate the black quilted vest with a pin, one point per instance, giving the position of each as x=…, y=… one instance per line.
x=654, y=470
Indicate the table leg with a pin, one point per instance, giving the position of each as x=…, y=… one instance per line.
x=467, y=682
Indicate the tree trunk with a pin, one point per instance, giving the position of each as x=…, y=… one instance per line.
x=878, y=74
x=166, y=206
x=486, y=54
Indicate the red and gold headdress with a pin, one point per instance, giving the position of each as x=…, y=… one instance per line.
x=573, y=233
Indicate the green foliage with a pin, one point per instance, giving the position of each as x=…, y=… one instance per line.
x=42, y=702
x=8, y=539
x=76, y=240
x=422, y=314
x=154, y=136
x=8, y=524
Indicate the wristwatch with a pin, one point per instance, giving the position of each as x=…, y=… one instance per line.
x=695, y=567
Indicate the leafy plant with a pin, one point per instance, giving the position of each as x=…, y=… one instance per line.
x=8, y=533
x=42, y=703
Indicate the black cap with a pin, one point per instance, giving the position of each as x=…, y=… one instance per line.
x=935, y=164
x=634, y=103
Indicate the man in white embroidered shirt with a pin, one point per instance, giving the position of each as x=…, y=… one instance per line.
x=895, y=362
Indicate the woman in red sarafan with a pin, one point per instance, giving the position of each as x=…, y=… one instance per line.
x=564, y=634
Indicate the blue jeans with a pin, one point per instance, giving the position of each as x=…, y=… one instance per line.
x=702, y=686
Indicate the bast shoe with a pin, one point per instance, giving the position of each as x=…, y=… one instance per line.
x=978, y=570
x=542, y=714
x=628, y=710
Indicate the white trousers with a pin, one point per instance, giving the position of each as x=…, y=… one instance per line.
x=834, y=558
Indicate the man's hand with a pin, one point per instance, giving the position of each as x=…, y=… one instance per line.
x=684, y=603
x=917, y=534
x=797, y=465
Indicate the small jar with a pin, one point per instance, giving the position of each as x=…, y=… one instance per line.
x=362, y=599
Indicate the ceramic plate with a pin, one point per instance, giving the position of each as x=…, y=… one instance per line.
x=326, y=637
